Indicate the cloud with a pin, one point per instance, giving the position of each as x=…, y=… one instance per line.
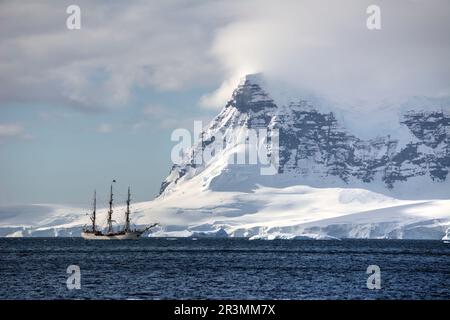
x=13, y=131
x=121, y=46
x=10, y=130
x=319, y=46
x=325, y=47
x=104, y=128
x=218, y=97
x=154, y=110
x=165, y=118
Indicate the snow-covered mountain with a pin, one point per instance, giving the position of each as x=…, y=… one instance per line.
x=331, y=174
x=315, y=149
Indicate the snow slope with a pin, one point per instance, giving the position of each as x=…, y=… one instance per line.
x=264, y=213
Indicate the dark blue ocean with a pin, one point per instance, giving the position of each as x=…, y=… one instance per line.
x=223, y=269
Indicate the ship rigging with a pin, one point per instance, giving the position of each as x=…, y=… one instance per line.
x=126, y=233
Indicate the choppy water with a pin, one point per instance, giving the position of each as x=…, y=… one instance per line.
x=223, y=269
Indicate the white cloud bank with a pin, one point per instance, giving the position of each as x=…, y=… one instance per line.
x=325, y=47
x=319, y=46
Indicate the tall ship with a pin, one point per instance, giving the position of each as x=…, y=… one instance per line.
x=127, y=233
x=446, y=238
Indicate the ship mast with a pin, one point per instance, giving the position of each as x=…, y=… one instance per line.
x=93, y=212
x=110, y=212
x=127, y=213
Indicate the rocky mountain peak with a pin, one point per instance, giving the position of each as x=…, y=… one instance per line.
x=315, y=148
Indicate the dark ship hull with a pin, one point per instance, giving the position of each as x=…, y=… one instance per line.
x=126, y=235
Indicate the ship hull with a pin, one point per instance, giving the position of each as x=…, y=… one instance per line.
x=133, y=235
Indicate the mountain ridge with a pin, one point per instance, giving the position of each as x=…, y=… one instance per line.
x=315, y=143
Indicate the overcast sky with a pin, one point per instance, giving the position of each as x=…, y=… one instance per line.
x=75, y=105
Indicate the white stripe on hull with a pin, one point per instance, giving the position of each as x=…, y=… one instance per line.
x=125, y=236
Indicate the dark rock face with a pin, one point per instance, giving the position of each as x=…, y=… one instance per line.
x=429, y=127
x=317, y=136
x=307, y=136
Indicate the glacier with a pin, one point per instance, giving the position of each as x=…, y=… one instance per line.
x=337, y=176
